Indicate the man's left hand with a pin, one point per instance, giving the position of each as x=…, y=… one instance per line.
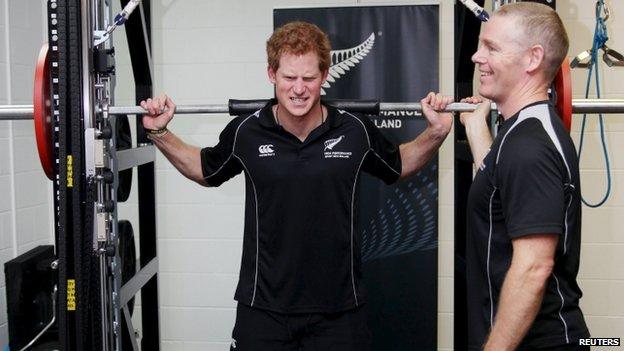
x=439, y=122
x=416, y=153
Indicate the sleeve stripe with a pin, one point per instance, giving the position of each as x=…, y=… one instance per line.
x=363, y=126
x=542, y=114
x=369, y=144
x=232, y=153
x=386, y=163
x=217, y=171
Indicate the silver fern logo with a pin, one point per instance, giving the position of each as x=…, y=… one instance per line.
x=343, y=60
x=329, y=144
x=329, y=149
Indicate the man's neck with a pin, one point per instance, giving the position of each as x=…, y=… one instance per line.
x=520, y=99
x=299, y=126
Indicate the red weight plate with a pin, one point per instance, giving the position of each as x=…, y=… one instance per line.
x=41, y=112
x=563, y=86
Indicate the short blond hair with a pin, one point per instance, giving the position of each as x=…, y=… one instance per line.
x=298, y=38
x=541, y=26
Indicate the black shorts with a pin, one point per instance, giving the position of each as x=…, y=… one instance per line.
x=262, y=330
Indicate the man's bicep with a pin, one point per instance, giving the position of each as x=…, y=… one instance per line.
x=532, y=191
x=534, y=248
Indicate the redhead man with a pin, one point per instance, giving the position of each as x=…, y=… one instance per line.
x=300, y=279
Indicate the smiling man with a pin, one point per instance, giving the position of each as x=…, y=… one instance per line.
x=524, y=209
x=300, y=278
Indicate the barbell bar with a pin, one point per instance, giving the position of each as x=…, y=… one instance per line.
x=241, y=107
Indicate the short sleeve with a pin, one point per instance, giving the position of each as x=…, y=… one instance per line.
x=384, y=158
x=531, y=179
x=218, y=162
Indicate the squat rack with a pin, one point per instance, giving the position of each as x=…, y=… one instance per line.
x=78, y=74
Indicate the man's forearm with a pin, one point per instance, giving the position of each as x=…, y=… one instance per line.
x=416, y=153
x=520, y=300
x=184, y=157
x=480, y=140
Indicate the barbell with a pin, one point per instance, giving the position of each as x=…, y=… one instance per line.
x=241, y=107
x=40, y=111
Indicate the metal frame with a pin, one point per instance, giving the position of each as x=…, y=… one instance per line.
x=138, y=34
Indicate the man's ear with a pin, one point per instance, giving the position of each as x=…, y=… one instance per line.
x=536, y=58
x=324, y=75
x=272, y=74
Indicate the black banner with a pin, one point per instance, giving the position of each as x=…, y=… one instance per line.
x=390, y=53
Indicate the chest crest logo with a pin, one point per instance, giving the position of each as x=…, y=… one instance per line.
x=329, y=149
x=266, y=150
x=329, y=144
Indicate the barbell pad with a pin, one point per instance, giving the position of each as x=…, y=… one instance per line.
x=244, y=107
x=123, y=138
x=42, y=112
x=563, y=89
x=367, y=107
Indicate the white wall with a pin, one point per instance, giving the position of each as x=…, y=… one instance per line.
x=25, y=192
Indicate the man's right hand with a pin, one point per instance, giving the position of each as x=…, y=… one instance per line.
x=479, y=116
x=160, y=110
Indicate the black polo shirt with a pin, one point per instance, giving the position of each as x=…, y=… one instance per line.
x=528, y=184
x=300, y=250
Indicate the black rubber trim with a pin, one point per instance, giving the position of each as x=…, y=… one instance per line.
x=245, y=107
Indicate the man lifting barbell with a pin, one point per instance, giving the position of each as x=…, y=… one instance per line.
x=300, y=279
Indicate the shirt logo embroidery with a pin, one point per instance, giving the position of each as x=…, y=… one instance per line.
x=330, y=144
x=266, y=150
